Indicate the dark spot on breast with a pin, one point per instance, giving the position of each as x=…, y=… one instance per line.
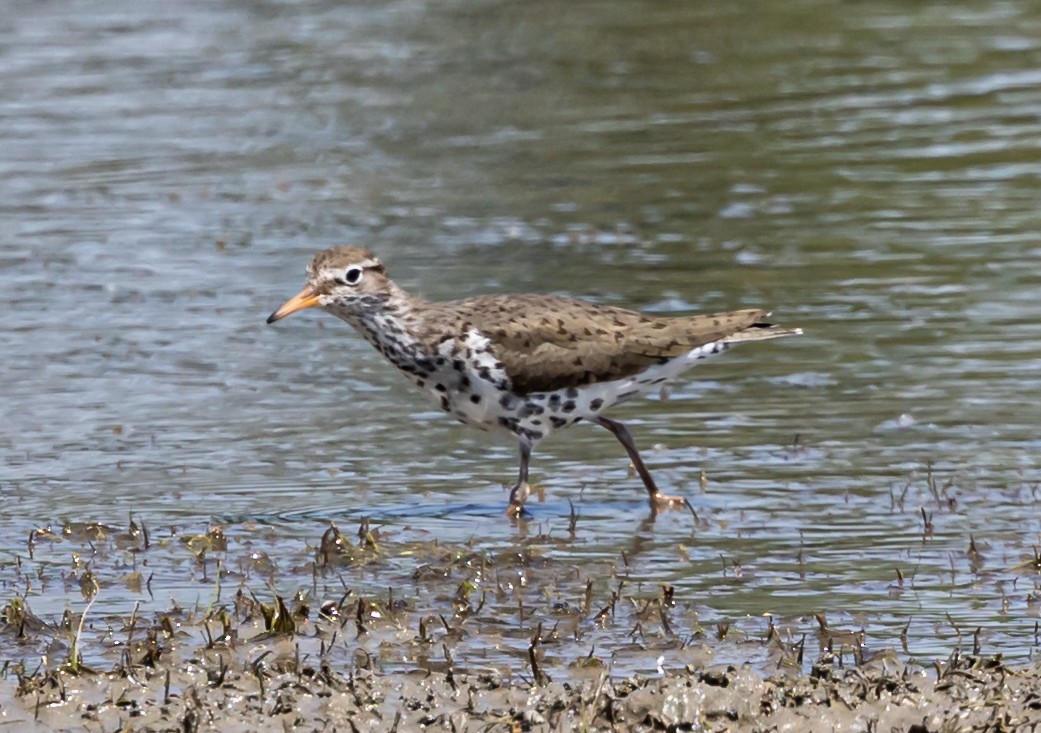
x=459, y=365
x=572, y=393
x=440, y=387
x=557, y=422
x=569, y=406
x=444, y=404
x=475, y=398
x=530, y=408
x=596, y=404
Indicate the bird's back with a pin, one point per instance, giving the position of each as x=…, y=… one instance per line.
x=547, y=343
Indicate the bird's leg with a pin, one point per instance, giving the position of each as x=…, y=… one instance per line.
x=658, y=499
x=520, y=492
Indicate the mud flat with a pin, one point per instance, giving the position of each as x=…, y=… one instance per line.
x=209, y=691
x=366, y=631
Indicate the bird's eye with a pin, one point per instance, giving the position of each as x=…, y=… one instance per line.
x=353, y=275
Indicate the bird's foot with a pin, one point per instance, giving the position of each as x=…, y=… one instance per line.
x=660, y=502
x=518, y=495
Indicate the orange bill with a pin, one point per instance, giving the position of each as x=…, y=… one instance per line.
x=306, y=298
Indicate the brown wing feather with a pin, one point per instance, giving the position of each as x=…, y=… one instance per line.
x=548, y=343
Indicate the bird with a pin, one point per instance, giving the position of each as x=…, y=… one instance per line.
x=526, y=365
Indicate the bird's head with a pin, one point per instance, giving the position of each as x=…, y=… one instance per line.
x=346, y=281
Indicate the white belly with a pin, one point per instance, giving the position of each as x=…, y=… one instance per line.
x=480, y=402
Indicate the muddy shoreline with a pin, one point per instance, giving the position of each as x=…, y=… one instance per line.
x=275, y=692
x=375, y=630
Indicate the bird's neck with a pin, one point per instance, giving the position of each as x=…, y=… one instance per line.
x=393, y=323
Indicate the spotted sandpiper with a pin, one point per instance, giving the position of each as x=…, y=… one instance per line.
x=526, y=365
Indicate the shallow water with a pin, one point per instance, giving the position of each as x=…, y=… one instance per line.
x=868, y=172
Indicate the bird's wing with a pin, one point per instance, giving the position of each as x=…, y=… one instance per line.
x=547, y=343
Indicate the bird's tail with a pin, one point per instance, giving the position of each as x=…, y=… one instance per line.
x=761, y=331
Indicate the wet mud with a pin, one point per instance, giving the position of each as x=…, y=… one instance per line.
x=275, y=690
x=294, y=636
